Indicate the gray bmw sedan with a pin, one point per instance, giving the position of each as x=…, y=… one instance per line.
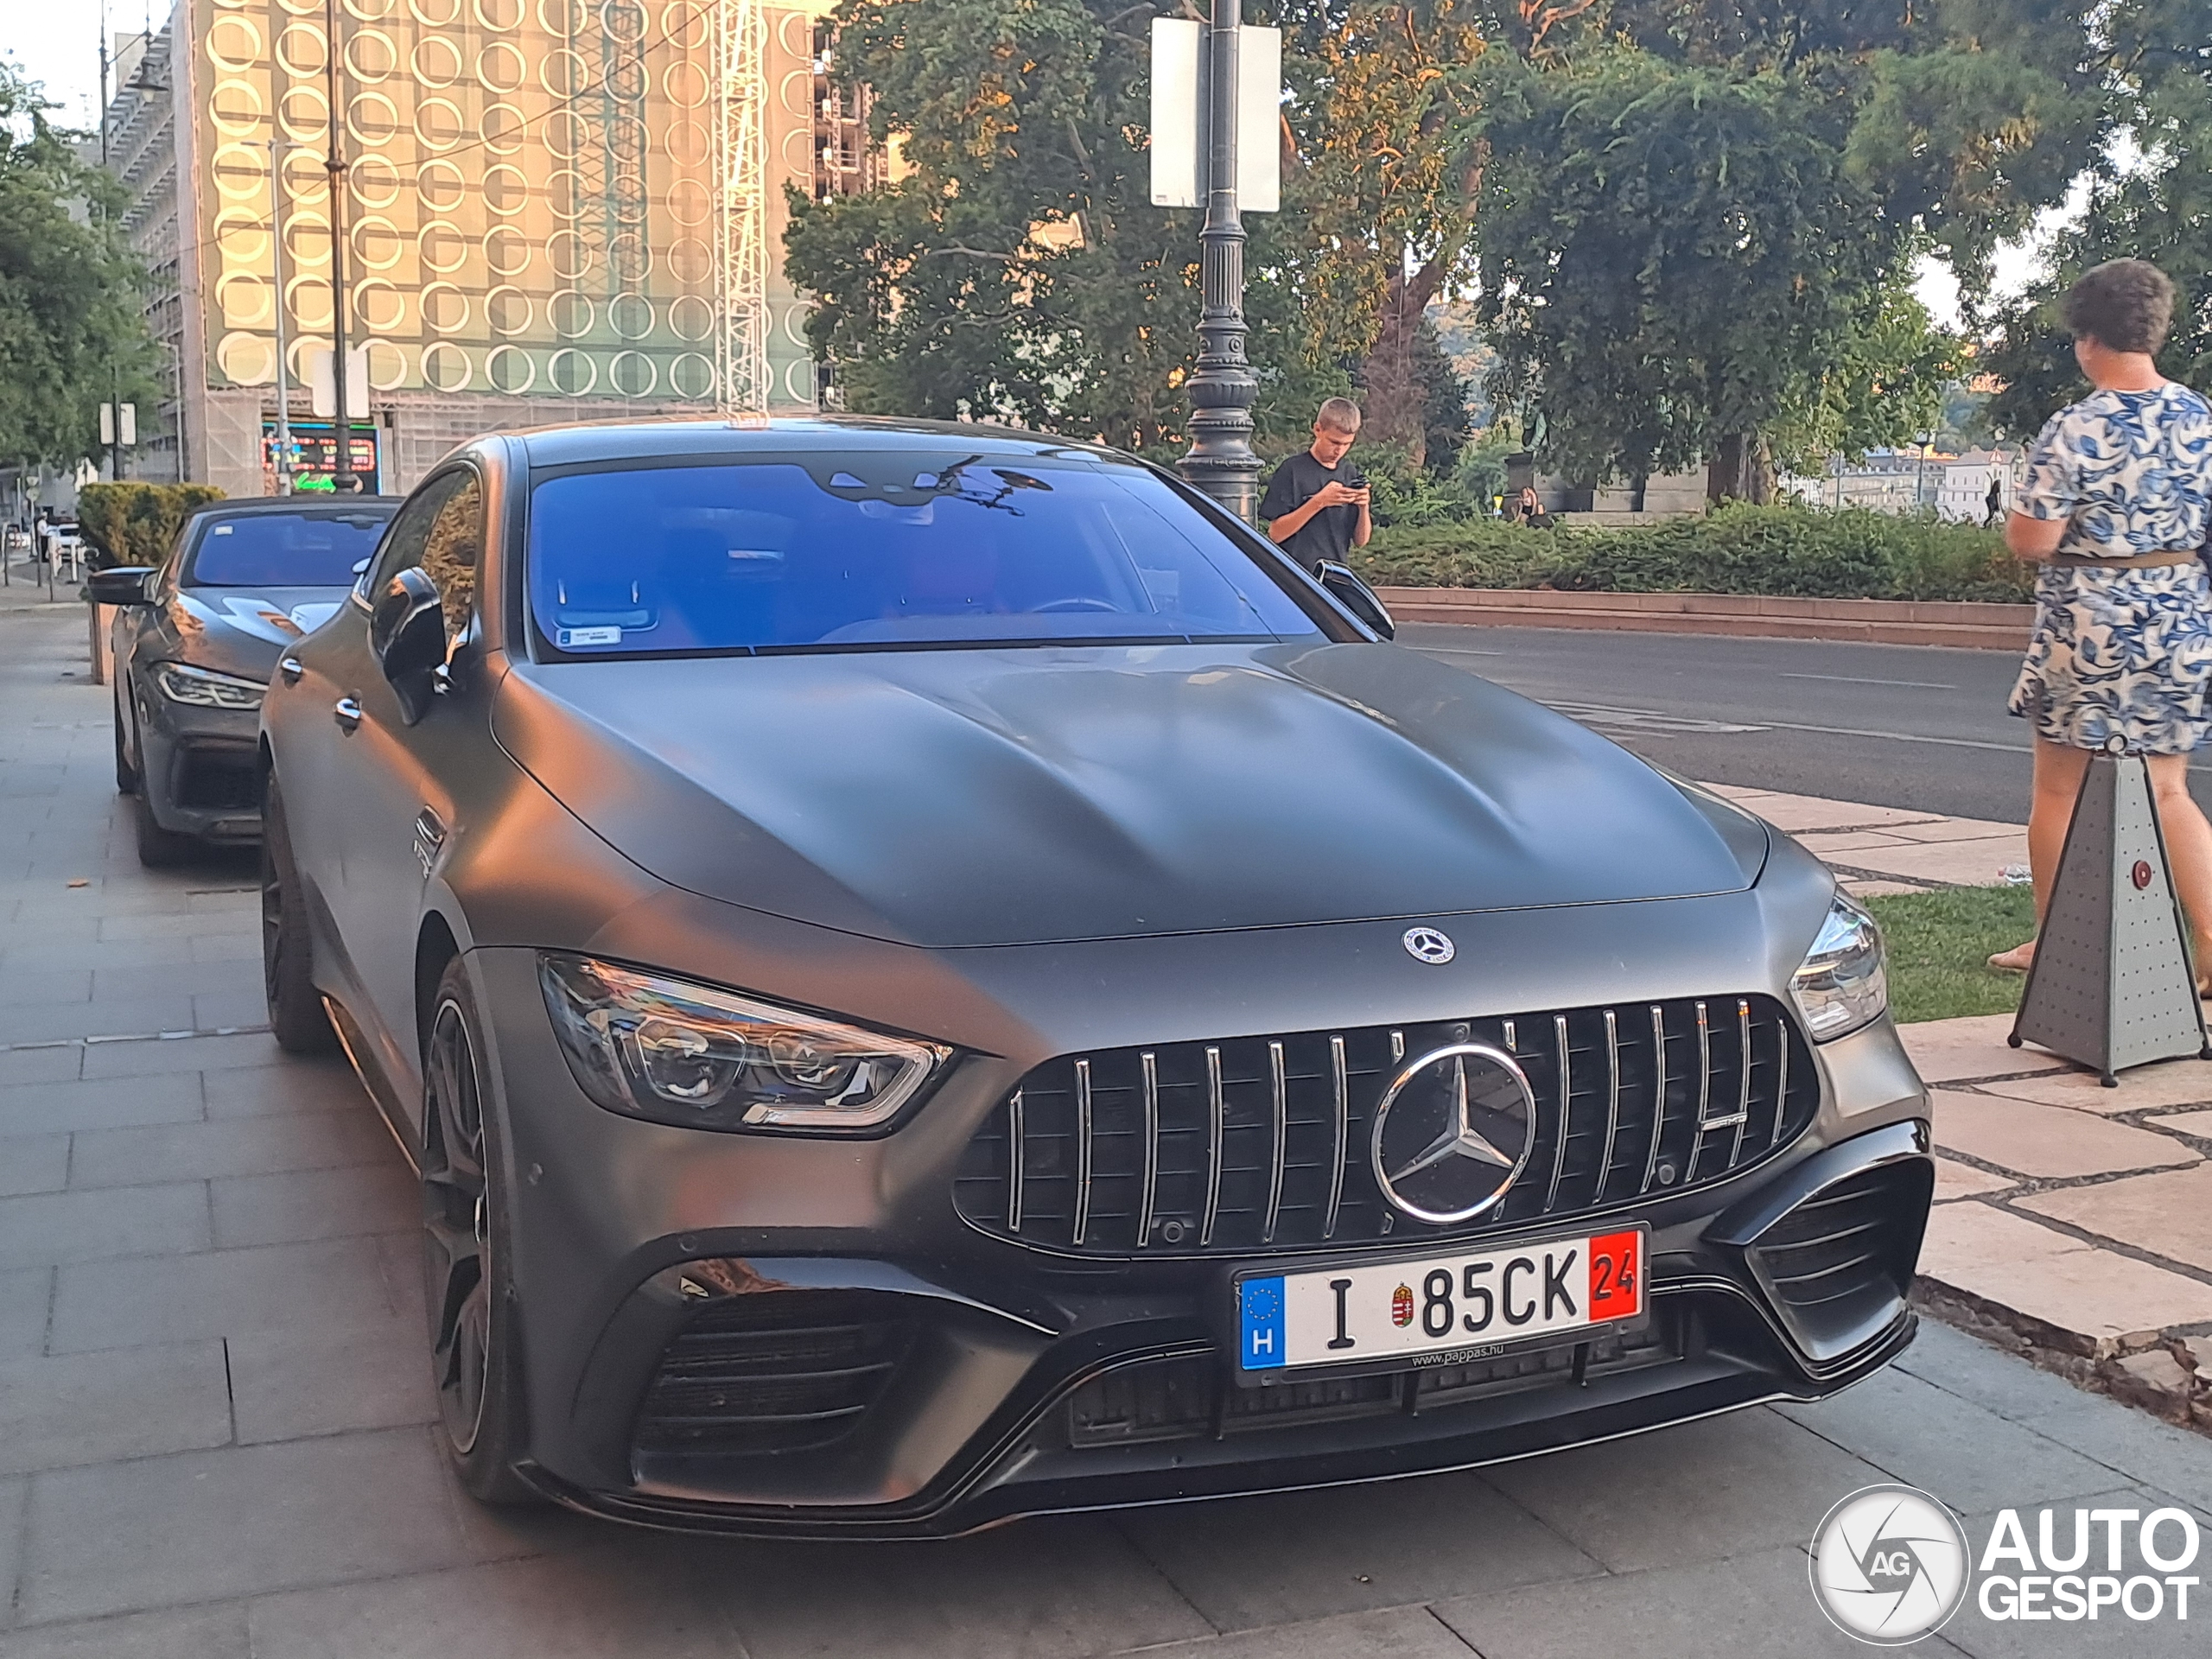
x=928, y=975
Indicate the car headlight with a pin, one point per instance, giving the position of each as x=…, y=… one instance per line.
x=677, y=1052
x=1842, y=984
x=205, y=689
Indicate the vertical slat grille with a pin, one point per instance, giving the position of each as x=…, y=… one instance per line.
x=1263, y=1143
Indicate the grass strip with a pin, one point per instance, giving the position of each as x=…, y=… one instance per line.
x=1940, y=944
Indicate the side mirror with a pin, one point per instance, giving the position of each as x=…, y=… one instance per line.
x=125, y=585
x=407, y=632
x=1355, y=596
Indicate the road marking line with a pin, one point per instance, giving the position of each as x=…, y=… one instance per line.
x=1857, y=679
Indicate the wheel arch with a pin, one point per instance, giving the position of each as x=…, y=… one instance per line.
x=435, y=948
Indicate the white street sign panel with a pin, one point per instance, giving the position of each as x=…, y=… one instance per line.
x=1177, y=43
x=1259, y=120
x=323, y=382
x=1178, y=104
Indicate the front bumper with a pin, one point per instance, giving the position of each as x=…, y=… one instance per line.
x=200, y=768
x=756, y=1335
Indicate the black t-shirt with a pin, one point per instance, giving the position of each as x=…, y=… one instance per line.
x=1328, y=533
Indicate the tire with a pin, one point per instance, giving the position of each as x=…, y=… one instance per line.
x=296, y=1015
x=126, y=775
x=159, y=848
x=467, y=1284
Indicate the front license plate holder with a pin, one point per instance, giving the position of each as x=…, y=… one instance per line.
x=1321, y=1320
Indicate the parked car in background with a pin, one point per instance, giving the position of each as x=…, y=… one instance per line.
x=929, y=973
x=196, y=639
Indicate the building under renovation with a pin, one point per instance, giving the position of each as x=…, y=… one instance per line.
x=548, y=210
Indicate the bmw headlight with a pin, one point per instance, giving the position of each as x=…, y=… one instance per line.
x=1842, y=984
x=203, y=688
x=677, y=1052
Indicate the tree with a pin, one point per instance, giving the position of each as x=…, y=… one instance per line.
x=1019, y=270
x=1696, y=218
x=2149, y=200
x=71, y=326
x=1382, y=196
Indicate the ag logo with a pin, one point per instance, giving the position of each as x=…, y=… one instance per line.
x=1889, y=1565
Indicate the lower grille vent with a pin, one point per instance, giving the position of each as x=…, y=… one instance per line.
x=1181, y=1399
x=778, y=1372
x=220, y=780
x=1841, y=1263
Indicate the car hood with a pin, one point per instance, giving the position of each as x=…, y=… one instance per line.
x=965, y=797
x=245, y=630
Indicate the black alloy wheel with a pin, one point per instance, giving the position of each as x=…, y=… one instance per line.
x=466, y=1290
x=296, y=1016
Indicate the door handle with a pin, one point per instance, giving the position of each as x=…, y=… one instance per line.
x=347, y=713
x=429, y=838
x=291, y=668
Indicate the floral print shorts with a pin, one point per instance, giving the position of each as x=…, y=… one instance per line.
x=2119, y=652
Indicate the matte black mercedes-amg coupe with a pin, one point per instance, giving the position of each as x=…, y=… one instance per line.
x=929, y=975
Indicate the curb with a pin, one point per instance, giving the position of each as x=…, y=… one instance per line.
x=2168, y=1376
x=1965, y=626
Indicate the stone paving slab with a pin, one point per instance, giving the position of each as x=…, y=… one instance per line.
x=2111, y=1302
x=1399, y=1633
x=1956, y=1180
x=1724, y=1610
x=60, y=1411
x=1971, y=863
x=2168, y=1215
x=1399, y=1543
x=2198, y=1124
x=2049, y=1140
x=2170, y=1083
x=1954, y=1051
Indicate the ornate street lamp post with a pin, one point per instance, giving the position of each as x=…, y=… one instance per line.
x=343, y=478
x=1222, y=390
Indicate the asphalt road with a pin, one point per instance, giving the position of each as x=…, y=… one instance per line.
x=1907, y=725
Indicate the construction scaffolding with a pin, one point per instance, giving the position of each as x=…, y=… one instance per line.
x=743, y=384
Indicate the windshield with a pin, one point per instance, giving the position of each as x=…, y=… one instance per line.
x=285, y=549
x=870, y=550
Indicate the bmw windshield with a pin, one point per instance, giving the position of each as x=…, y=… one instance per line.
x=313, y=548
x=875, y=550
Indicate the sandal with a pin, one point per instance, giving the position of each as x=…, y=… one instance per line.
x=2018, y=959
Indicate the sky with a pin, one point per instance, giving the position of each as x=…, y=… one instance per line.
x=58, y=42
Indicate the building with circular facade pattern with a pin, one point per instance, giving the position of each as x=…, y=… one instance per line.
x=527, y=215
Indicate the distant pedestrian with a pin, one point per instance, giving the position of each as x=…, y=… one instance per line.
x=1994, y=501
x=1316, y=507
x=1527, y=509
x=2116, y=502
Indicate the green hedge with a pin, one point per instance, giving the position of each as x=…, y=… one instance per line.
x=134, y=524
x=1781, y=549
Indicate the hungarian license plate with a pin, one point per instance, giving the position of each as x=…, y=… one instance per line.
x=1445, y=1307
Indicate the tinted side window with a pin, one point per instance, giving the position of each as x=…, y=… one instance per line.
x=441, y=530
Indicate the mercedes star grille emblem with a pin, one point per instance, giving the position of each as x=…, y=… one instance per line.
x=1452, y=1131
x=1426, y=944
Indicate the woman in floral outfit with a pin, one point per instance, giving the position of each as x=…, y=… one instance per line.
x=2116, y=502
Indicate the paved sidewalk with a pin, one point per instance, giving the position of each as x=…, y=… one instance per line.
x=2071, y=1217
x=2076, y=1216
x=214, y=1405
x=1879, y=849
